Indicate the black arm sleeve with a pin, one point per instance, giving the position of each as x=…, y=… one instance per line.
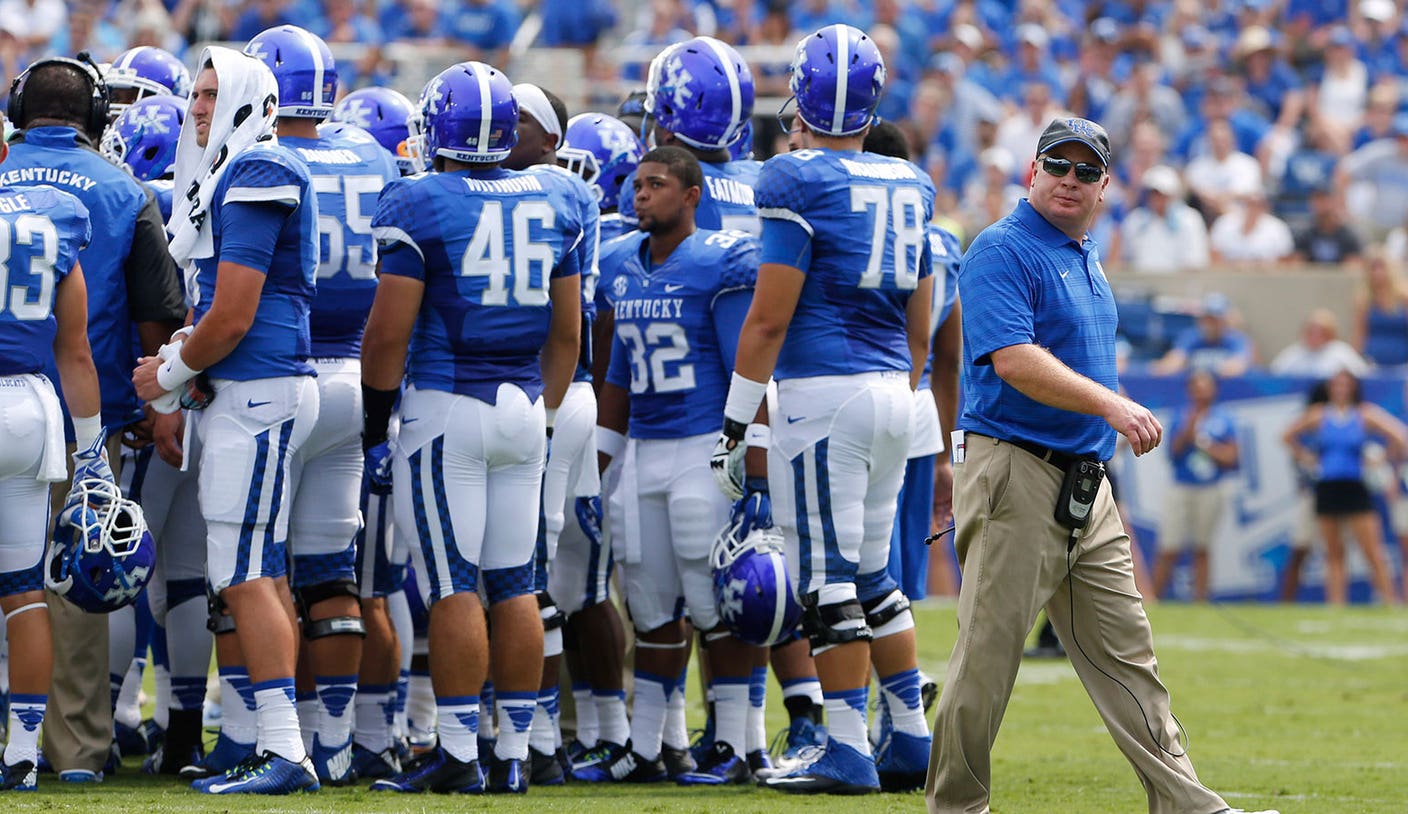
x=154, y=289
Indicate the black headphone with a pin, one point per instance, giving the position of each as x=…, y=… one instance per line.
x=98, y=104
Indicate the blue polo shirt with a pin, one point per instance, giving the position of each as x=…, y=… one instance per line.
x=1025, y=282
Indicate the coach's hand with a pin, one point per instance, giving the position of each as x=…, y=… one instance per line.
x=1134, y=421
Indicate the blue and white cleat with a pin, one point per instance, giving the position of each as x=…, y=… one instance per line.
x=435, y=771
x=838, y=769
x=21, y=776
x=801, y=743
x=508, y=776
x=227, y=754
x=333, y=765
x=903, y=762
x=720, y=767
x=266, y=774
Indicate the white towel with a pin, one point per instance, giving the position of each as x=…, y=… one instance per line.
x=53, y=465
x=246, y=108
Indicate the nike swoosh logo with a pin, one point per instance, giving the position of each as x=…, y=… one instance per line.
x=794, y=419
x=251, y=404
x=670, y=289
x=405, y=421
x=216, y=788
x=1064, y=273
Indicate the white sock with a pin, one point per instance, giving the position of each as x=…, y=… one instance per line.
x=810, y=687
x=757, y=710
x=26, y=716
x=587, y=727
x=238, y=720
x=901, y=693
x=648, y=714
x=128, y=711
x=845, y=718
x=546, y=734
x=515, y=714
x=373, y=731
x=334, y=707
x=731, y=712
x=676, y=734
x=615, y=727
x=422, y=710
x=161, y=681
x=459, y=726
x=308, y=715
x=278, y=720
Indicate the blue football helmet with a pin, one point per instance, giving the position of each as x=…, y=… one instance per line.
x=742, y=149
x=702, y=91
x=145, y=71
x=143, y=138
x=603, y=150
x=837, y=102
x=469, y=114
x=752, y=588
x=384, y=113
x=102, y=555
x=303, y=67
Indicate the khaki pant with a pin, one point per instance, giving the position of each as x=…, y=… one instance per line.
x=1014, y=560
x=78, y=722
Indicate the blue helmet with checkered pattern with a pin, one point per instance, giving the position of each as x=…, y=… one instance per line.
x=303, y=67
x=702, y=91
x=385, y=114
x=603, y=150
x=145, y=71
x=837, y=78
x=143, y=138
x=752, y=589
x=469, y=114
x=101, y=555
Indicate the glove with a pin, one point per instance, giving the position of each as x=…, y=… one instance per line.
x=754, y=510
x=93, y=462
x=378, y=468
x=727, y=465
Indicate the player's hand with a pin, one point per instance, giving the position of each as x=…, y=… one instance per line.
x=1134, y=421
x=138, y=434
x=378, y=468
x=168, y=429
x=93, y=462
x=144, y=379
x=754, y=510
x=727, y=465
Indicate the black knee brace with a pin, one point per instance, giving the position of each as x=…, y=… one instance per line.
x=875, y=618
x=220, y=621
x=311, y=595
x=829, y=625
x=553, y=617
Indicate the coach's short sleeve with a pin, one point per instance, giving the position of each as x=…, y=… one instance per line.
x=999, y=307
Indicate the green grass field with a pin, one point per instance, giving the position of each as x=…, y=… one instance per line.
x=1301, y=709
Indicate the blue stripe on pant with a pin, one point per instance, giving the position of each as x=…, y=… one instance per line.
x=251, y=507
x=909, y=556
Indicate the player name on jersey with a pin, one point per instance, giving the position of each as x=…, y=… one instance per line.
x=47, y=175
x=15, y=203
x=650, y=309
x=521, y=183
x=886, y=172
x=333, y=156
x=729, y=190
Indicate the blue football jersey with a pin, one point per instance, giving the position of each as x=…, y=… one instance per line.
x=349, y=169
x=277, y=343
x=725, y=202
x=587, y=248
x=613, y=226
x=486, y=245
x=947, y=253
x=162, y=189
x=676, y=328
x=42, y=229
x=856, y=225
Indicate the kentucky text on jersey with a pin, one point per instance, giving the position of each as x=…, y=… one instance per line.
x=650, y=309
x=47, y=175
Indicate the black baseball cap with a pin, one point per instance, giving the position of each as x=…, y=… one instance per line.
x=1085, y=131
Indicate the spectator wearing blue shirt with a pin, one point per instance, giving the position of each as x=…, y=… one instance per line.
x=1041, y=407
x=1212, y=344
x=663, y=30
x=1203, y=448
x=1270, y=81
x=487, y=27
x=1031, y=64
x=346, y=21
x=260, y=15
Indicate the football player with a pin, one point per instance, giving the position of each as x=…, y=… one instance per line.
x=43, y=324
x=604, y=151
x=348, y=170
x=480, y=277
x=840, y=320
x=248, y=225
x=142, y=72
x=680, y=294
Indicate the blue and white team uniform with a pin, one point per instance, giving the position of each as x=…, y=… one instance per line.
x=42, y=230
x=726, y=200
x=855, y=224
x=264, y=216
x=676, y=334
x=348, y=170
x=469, y=459
x=909, y=556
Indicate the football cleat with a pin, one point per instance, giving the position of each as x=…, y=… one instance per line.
x=375, y=765
x=837, y=769
x=703, y=741
x=266, y=774
x=928, y=691
x=546, y=770
x=130, y=742
x=677, y=761
x=333, y=765
x=760, y=761
x=80, y=776
x=622, y=765
x=168, y=759
x=507, y=776
x=227, y=754
x=21, y=776
x=435, y=771
x=902, y=762
x=720, y=767
x=800, y=743
x=576, y=752
x=596, y=754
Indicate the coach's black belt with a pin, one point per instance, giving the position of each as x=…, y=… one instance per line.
x=1061, y=460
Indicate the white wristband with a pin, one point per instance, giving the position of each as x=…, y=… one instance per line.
x=551, y=413
x=87, y=430
x=174, y=372
x=609, y=442
x=758, y=435
x=744, y=396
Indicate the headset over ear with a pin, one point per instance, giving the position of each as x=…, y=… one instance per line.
x=98, y=104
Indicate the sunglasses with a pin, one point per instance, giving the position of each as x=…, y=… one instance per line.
x=1085, y=173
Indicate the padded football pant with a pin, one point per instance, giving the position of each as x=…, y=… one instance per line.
x=1014, y=559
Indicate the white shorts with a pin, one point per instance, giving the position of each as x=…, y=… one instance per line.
x=326, y=480
x=468, y=480
x=171, y=504
x=580, y=574
x=1191, y=515
x=665, y=514
x=571, y=468
x=839, y=448
x=24, y=498
x=249, y=437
